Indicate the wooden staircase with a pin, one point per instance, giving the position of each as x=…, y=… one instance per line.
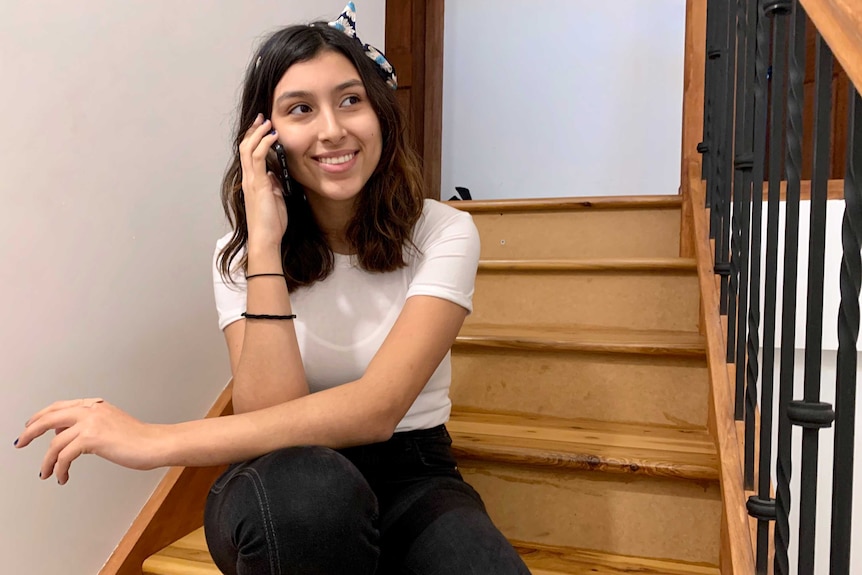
x=580, y=388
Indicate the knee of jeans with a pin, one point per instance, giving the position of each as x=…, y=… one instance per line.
x=302, y=489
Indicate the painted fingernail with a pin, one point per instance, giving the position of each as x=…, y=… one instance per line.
x=16, y=442
x=272, y=133
x=40, y=475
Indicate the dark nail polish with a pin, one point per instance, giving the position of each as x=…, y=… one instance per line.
x=40, y=475
x=16, y=443
x=272, y=133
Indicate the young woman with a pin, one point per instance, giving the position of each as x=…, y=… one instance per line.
x=340, y=292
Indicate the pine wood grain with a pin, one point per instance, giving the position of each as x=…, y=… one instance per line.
x=737, y=555
x=656, y=265
x=840, y=24
x=627, y=388
x=582, y=338
x=547, y=560
x=584, y=445
x=578, y=203
x=653, y=299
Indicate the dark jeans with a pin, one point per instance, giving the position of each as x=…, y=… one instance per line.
x=397, y=507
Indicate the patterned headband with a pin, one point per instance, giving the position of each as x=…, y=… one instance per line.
x=347, y=24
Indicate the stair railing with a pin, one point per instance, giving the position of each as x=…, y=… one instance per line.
x=753, y=102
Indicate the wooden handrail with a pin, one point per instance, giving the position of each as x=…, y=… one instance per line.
x=840, y=24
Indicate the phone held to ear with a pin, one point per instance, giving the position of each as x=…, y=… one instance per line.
x=282, y=162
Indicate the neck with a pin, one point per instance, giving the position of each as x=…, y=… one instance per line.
x=333, y=218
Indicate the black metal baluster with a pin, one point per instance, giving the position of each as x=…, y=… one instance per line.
x=848, y=332
x=723, y=109
x=812, y=414
x=746, y=164
x=753, y=334
x=712, y=54
x=793, y=166
x=762, y=506
x=742, y=169
x=722, y=257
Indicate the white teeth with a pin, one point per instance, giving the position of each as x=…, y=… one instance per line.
x=338, y=160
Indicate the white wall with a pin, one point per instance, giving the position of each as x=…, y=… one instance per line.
x=832, y=263
x=562, y=97
x=115, y=122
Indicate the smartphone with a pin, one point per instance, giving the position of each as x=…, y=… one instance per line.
x=282, y=163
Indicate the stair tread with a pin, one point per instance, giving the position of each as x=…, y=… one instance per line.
x=655, y=264
x=585, y=338
x=584, y=444
x=546, y=560
x=190, y=556
x=565, y=204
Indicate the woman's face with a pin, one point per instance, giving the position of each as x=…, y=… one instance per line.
x=330, y=132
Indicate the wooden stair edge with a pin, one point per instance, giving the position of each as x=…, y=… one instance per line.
x=590, y=264
x=583, y=445
x=190, y=556
x=737, y=552
x=570, y=203
x=174, y=510
x=550, y=560
x=590, y=339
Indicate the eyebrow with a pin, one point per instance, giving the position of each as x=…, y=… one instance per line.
x=308, y=95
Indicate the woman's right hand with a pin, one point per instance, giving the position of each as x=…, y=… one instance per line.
x=265, y=210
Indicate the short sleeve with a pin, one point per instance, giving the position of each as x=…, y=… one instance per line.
x=230, y=299
x=449, y=255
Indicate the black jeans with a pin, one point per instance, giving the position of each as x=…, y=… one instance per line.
x=397, y=507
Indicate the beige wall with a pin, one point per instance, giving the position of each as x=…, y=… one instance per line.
x=114, y=129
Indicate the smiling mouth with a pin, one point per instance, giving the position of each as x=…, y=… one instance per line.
x=338, y=160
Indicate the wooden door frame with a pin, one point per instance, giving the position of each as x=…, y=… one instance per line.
x=414, y=46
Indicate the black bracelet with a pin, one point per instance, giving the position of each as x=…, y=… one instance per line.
x=262, y=275
x=265, y=316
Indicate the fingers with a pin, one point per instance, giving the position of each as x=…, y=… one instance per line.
x=62, y=417
x=58, y=405
x=64, y=449
x=254, y=148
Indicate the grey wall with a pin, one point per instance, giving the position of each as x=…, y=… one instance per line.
x=114, y=127
x=562, y=97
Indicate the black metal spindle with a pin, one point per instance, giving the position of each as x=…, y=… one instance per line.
x=719, y=89
x=752, y=333
x=762, y=505
x=722, y=257
x=793, y=167
x=812, y=414
x=742, y=172
x=848, y=332
x=746, y=164
x=712, y=54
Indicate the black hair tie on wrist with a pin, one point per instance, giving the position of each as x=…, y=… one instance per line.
x=266, y=316
x=262, y=275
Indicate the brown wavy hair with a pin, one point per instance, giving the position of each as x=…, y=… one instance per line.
x=388, y=206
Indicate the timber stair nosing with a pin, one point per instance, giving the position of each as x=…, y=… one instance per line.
x=591, y=264
x=569, y=204
x=584, y=461
x=594, y=345
x=563, y=444
x=561, y=560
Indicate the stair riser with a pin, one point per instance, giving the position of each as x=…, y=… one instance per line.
x=662, y=301
x=580, y=234
x=609, y=387
x=616, y=513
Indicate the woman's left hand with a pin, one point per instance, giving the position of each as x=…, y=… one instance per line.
x=93, y=426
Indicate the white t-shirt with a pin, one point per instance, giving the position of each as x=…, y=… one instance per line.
x=342, y=321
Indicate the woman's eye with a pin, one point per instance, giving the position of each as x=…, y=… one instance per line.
x=300, y=109
x=350, y=101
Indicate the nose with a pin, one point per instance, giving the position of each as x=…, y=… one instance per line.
x=331, y=129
